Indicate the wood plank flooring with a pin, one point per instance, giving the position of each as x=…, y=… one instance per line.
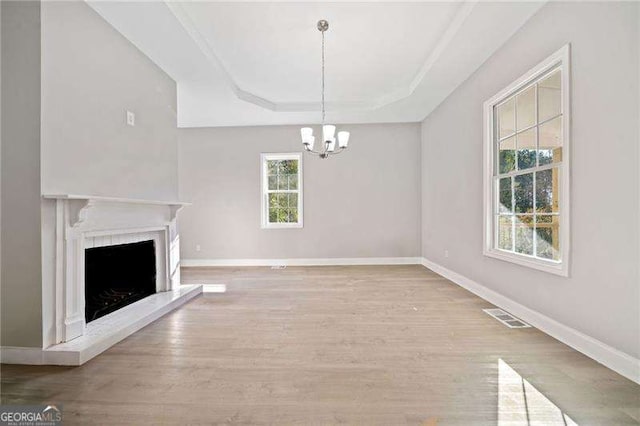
x=331, y=345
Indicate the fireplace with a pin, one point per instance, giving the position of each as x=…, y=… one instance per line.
x=110, y=266
x=99, y=256
x=118, y=275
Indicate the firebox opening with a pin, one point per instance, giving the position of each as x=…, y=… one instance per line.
x=116, y=276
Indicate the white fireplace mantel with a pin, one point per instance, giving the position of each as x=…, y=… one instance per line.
x=71, y=224
x=84, y=202
x=114, y=199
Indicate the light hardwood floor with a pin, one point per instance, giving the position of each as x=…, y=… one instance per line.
x=329, y=345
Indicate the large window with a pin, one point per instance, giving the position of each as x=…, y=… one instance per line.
x=282, y=190
x=526, y=168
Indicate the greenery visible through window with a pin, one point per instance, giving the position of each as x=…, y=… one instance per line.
x=281, y=176
x=528, y=142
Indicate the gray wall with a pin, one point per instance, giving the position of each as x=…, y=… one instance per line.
x=601, y=298
x=20, y=294
x=363, y=203
x=63, y=131
x=91, y=75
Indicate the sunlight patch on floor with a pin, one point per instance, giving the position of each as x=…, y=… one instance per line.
x=214, y=288
x=519, y=403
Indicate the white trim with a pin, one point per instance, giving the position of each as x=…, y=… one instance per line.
x=559, y=58
x=103, y=332
x=21, y=355
x=264, y=193
x=304, y=262
x=610, y=357
x=557, y=268
x=113, y=199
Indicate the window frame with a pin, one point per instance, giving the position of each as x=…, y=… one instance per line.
x=558, y=60
x=264, y=190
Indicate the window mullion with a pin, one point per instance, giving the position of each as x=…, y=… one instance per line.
x=515, y=133
x=535, y=173
x=513, y=214
x=530, y=170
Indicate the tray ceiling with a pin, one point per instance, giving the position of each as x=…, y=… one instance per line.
x=238, y=63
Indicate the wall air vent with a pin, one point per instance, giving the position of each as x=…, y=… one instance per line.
x=506, y=318
x=279, y=267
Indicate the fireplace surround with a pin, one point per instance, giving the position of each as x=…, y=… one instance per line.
x=74, y=228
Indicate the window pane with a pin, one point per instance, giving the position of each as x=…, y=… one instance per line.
x=506, y=118
x=289, y=167
x=273, y=201
x=550, y=149
x=507, y=160
x=549, y=96
x=293, y=181
x=283, y=217
x=293, y=215
x=282, y=201
x=505, y=196
x=523, y=193
x=283, y=182
x=524, y=234
x=292, y=200
x=548, y=237
x=505, y=232
x=526, y=149
x=273, y=215
x=273, y=182
x=272, y=167
x=526, y=108
x=547, y=187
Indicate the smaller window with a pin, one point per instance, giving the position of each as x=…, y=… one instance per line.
x=281, y=190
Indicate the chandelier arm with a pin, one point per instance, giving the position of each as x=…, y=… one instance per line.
x=336, y=152
x=306, y=148
x=326, y=146
x=326, y=151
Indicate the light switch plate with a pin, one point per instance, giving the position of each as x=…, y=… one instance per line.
x=131, y=118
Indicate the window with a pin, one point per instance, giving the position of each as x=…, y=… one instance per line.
x=282, y=190
x=527, y=168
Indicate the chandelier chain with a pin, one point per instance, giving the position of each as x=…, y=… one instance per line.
x=323, y=110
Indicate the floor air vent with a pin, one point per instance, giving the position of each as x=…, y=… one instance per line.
x=506, y=318
x=278, y=267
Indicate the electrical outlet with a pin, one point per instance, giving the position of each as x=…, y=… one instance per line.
x=446, y=253
x=198, y=247
x=131, y=119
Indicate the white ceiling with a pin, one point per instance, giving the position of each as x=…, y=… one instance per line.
x=238, y=63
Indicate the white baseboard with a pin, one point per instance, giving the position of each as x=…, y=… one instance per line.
x=610, y=357
x=304, y=262
x=21, y=355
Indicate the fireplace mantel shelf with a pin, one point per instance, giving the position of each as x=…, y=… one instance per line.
x=114, y=199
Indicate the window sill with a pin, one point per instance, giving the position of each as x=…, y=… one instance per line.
x=556, y=268
x=282, y=226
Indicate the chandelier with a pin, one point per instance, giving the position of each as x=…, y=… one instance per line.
x=328, y=144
